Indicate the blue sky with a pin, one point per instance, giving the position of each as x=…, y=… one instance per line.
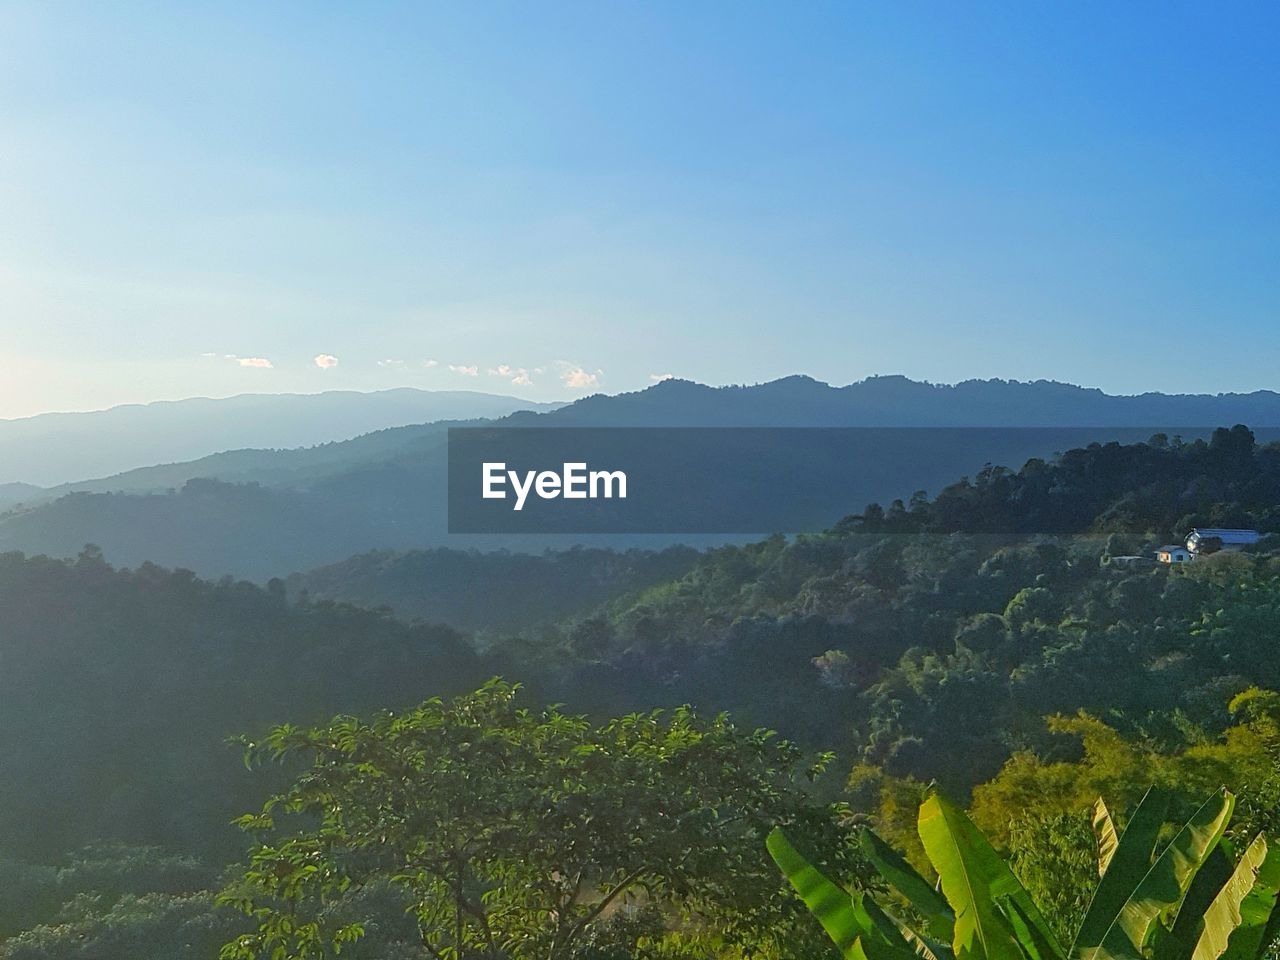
x=582, y=196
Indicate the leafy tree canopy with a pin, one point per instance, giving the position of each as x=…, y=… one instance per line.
x=516, y=833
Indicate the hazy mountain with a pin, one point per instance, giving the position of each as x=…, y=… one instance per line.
x=889, y=401
x=895, y=401
x=15, y=493
x=55, y=448
x=296, y=468
x=263, y=513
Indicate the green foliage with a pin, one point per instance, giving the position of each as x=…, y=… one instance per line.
x=104, y=873
x=1143, y=923
x=992, y=593
x=1126, y=864
x=497, y=591
x=1053, y=858
x=1150, y=904
x=833, y=907
x=912, y=641
x=920, y=652
x=912, y=887
x=518, y=833
x=120, y=689
x=151, y=925
x=1226, y=481
x=111, y=902
x=1238, y=922
x=1245, y=755
x=990, y=904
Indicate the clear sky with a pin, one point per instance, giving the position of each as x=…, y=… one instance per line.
x=582, y=196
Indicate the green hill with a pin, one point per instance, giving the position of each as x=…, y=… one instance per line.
x=907, y=638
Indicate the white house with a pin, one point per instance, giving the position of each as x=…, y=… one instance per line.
x=1220, y=538
x=1174, y=553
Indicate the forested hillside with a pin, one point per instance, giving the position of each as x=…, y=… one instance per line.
x=906, y=636
x=939, y=645
x=495, y=591
x=918, y=642
x=120, y=688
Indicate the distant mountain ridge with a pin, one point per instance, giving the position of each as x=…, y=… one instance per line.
x=54, y=448
x=896, y=401
x=884, y=401
x=300, y=467
x=264, y=513
x=13, y=493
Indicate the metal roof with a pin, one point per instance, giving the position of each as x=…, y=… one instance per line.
x=1225, y=534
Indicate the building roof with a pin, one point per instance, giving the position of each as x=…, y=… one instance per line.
x=1225, y=534
x=1171, y=548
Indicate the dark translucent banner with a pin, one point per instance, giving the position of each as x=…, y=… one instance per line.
x=725, y=480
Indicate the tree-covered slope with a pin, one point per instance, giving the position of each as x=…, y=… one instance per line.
x=119, y=689
x=495, y=591
x=906, y=638
x=930, y=647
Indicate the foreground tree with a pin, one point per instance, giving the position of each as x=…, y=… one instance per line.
x=516, y=834
x=1185, y=900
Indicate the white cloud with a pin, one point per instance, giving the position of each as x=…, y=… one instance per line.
x=325, y=361
x=391, y=363
x=430, y=363
x=260, y=363
x=517, y=375
x=471, y=371
x=659, y=377
x=209, y=356
x=576, y=378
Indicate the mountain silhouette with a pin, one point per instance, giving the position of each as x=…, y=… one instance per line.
x=895, y=401
x=262, y=513
x=54, y=448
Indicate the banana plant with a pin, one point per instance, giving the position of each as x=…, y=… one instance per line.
x=1186, y=900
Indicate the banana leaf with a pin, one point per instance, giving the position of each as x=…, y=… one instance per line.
x=1158, y=895
x=1236, y=923
x=1029, y=938
x=974, y=879
x=1205, y=886
x=925, y=946
x=829, y=903
x=866, y=948
x=917, y=891
x=874, y=922
x=1104, y=831
x=1125, y=869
